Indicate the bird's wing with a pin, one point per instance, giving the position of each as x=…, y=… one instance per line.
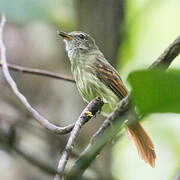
x=110, y=77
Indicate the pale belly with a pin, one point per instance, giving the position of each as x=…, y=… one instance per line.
x=90, y=87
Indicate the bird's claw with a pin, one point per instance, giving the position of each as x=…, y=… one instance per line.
x=89, y=114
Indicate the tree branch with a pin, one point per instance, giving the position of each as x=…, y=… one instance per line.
x=91, y=109
x=42, y=120
x=105, y=133
x=114, y=122
x=39, y=72
x=166, y=58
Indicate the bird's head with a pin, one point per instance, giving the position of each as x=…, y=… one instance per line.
x=77, y=40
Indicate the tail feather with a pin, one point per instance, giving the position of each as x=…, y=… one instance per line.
x=143, y=142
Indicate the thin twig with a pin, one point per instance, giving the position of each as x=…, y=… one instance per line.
x=42, y=120
x=166, y=58
x=114, y=122
x=40, y=72
x=93, y=107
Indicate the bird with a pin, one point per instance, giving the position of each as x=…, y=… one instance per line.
x=96, y=77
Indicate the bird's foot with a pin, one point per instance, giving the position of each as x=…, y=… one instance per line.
x=89, y=114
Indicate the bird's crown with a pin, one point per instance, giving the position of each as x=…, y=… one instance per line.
x=78, y=40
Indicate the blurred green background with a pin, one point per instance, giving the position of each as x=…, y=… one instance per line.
x=131, y=34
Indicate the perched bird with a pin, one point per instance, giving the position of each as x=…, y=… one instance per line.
x=95, y=77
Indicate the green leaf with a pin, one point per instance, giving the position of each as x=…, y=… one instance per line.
x=156, y=91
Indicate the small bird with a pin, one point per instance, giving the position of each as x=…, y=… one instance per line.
x=96, y=77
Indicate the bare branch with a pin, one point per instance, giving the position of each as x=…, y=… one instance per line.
x=113, y=123
x=91, y=109
x=43, y=121
x=105, y=133
x=39, y=72
x=166, y=58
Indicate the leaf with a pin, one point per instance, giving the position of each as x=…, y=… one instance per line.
x=156, y=91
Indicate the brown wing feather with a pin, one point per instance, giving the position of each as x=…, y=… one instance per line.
x=110, y=77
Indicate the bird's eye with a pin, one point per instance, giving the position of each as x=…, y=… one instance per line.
x=81, y=36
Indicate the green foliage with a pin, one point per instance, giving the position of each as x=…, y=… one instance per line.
x=138, y=12
x=156, y=91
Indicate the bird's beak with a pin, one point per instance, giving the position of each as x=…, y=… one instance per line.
x=64, y=35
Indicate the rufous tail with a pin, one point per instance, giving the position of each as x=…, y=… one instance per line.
x=143, y=142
